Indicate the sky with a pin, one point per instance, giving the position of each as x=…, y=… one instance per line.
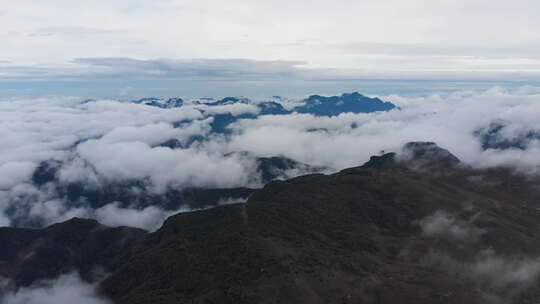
x=209, y=48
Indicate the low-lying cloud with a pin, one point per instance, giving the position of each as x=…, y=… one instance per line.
x=499, y=278
x=444, y=224
x=68, y=288
x=107, y=142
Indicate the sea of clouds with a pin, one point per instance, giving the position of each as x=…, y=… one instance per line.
x=108, y=141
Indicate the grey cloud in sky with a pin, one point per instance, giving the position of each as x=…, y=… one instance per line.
x=383, y=39
x=476, y=50
x=90, y=69
x=206, y=69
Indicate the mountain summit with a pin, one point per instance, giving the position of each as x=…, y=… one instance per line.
x=346, y=103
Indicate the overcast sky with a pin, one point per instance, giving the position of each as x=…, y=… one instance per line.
x=240, y=40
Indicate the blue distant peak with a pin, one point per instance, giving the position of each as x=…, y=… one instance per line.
x=316, y=105
x=346, y=103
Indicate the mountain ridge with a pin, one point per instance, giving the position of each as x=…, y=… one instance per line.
x=385, y=230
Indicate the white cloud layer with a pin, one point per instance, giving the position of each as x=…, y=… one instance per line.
x=449, y=121
x=106, y=142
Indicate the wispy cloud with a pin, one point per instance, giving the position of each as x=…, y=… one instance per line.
x=205, y=69
x=106, y=69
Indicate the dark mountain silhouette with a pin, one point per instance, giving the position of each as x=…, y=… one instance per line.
x=493, y=137
x=29, y=255
x=394, y=230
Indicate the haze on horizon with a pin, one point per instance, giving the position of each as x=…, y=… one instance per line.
x=175, y=47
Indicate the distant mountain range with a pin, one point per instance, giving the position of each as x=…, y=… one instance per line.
x=315, y=104
x=418, y=227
